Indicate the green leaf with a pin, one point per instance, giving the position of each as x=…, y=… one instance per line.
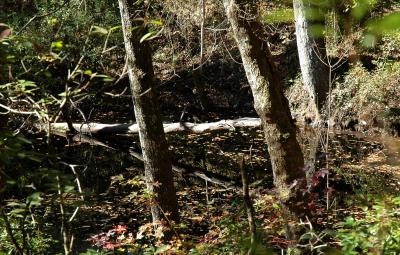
x=106, y=78
x=350, y=222
x=15, y=204
x=63, y=94
x=389, y=23
x=156, y=22
x=396, y=200
x=150, y=35
x=34, y=198
x=21, y=155
x=99, y=30
x=53, y=21
x=88, y=72
x=115, y=28
x=18, y=212
x=23, y=140
x=279, y=16
x=101, y=76
x=11, y=182
x=68, y=188
x=57, y=45
x=361, y=8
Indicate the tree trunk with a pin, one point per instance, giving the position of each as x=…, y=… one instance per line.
x=312, y=55
x=198, y=74
x=157, y=162
x=269, y=101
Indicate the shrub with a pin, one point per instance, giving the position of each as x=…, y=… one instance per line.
x=366, y=96
x=376, y=232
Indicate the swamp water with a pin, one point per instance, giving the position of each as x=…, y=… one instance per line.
x=105, y=168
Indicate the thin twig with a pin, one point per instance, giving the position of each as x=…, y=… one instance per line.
x=248, y=205
x=15, y=111
x=64, y=231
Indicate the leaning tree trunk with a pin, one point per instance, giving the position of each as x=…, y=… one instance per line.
x=157, y=162
x=269, y=102
x=312, y=54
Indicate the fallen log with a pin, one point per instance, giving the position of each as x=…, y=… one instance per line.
x=103, y=129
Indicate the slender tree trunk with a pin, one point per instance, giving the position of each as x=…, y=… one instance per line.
x=249, y=205
x=269, y=101
x=5, y=31
x=312, y=55
x=156, y=157
x=198, y=74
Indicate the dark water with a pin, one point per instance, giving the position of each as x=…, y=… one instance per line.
x=102, y=161
x=218, y=152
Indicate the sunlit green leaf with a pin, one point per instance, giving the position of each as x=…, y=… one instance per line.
x=34, y=198
x=53, y=21
x=16, y=204
x=57, y=45
x=115, y=28
x=396, y=201
x=350, y=222
x=10, y=58
x=101, y=76
x=106, y=78
x=18, y=212
x=279, y=16
x=156, y=22
x=99, y=30
x=148, y=36
x=88, y=72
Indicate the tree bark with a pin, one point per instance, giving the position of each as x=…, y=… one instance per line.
x=312, y=55
x=157, y=162
x=269, y=101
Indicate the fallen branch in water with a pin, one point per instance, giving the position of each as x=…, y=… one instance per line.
x=102, y=129
x=185, y=171
x=195, y=172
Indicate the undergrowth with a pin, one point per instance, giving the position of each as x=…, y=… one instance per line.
x=369, y=97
